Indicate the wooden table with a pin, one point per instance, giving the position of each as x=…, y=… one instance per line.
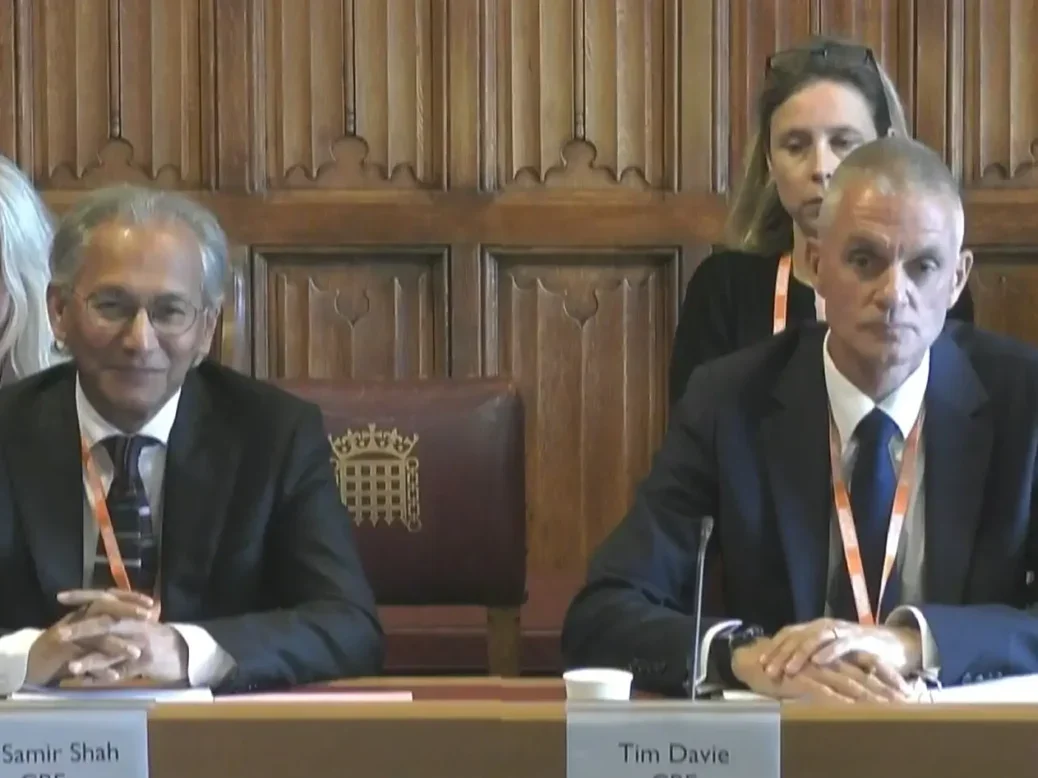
x=494, y=728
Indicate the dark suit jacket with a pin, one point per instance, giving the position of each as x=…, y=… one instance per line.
x=256, y=544
x=748, y=445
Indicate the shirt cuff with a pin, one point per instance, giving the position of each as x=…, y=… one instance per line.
x=910, y=616
x=14, y=659
x=703, y=671
x=207, y=663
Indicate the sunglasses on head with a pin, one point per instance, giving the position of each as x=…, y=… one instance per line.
x=833, y=54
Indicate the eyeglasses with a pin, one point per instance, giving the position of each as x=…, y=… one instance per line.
x=846, y=55
x=834, y=55
x=169, y=315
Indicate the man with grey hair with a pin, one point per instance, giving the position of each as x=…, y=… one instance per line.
x=163, y=517
x=873, y=481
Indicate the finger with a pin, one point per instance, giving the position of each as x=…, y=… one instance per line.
x=854, y=682
x=811, y=644
x=780, y=639
x=890, y=677
x=121, y=609
x=817, y=691
x=93, y=664
x=87, y=596
x=85, y=629
x=837, y=649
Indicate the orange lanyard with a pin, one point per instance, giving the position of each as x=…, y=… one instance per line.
x=785, y=267
x=849, y=536
x=99, y=507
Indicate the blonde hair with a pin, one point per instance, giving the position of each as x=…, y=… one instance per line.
x=757, y=222
x=26, y=231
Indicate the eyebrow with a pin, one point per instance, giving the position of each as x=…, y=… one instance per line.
x=865, y=242
x=840, y=128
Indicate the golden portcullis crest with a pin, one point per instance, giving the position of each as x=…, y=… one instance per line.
x=377, y=474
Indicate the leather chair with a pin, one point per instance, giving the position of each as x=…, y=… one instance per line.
x=433, y=472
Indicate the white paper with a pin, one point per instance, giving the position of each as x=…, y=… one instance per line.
x=120, y=694
x=651, y=739
x=1020, y=689
x=102, y=741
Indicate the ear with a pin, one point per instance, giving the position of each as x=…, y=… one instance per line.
x=57, y=308
x=209, y=320
x=962, y=275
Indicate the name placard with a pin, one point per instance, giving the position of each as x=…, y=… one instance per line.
x=85, y=741
x=672, y=740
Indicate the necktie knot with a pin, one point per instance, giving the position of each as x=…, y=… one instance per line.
x=125, y=451
x=876, y=430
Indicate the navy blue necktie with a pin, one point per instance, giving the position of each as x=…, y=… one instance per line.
x=873, y=483
x=131, y=517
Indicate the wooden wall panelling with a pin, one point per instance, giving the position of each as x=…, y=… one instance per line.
x=1005, y=291
x=118, y=93
x=351, y=313
x=232, y=344
x=9, y=93
x=236, y=66
x=355, y=96
x=586, y=335
x=1000, y=142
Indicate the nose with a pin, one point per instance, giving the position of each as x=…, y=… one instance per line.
x=823, y=163
x=893, y=287
x=140, y=335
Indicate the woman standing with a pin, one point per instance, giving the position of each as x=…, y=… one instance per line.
x=819, y=102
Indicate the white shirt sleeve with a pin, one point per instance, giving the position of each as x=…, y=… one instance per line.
x=14, y=659
x=207, y=663
x=909, y=616
x=704, y=650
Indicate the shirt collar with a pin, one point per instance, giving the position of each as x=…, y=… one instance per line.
x=850, y=405
x=94, y=428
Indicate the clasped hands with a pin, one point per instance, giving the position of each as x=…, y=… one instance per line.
x=111, y=636
x=831, y=660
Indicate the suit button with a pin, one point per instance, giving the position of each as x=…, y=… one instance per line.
x=967, y=678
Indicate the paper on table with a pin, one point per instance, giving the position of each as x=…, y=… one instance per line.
x=738, y=695
x=322, y=697
x=1020, y=689
x=110, y=693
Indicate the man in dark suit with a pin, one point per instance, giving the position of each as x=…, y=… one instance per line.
x=916, y=560
x=162, y=517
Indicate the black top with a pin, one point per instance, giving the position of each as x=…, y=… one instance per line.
x=730, y=303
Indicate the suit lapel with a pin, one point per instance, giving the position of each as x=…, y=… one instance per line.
x=201, y=462
x=47, y=481
x=794, y=441
x=958, y=436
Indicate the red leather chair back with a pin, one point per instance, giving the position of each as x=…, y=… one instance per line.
x=434, y=474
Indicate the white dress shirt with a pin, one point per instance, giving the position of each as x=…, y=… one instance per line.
x=849, y=406
x=208, y=664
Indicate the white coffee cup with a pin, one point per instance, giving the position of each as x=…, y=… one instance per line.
x=597, y=683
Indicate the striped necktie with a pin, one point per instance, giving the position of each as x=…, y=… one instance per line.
x=130, y=511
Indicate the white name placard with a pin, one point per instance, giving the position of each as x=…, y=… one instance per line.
x=672, y=740
x=85, y=741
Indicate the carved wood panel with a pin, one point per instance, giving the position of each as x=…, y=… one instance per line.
x=350, y=314
x=586, y=336
x=1005, y=292
x=118, y=92
x=355, y=93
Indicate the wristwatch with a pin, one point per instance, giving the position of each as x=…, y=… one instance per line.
x=725, y=649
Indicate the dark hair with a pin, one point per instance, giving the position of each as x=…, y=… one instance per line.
x=757, y=222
